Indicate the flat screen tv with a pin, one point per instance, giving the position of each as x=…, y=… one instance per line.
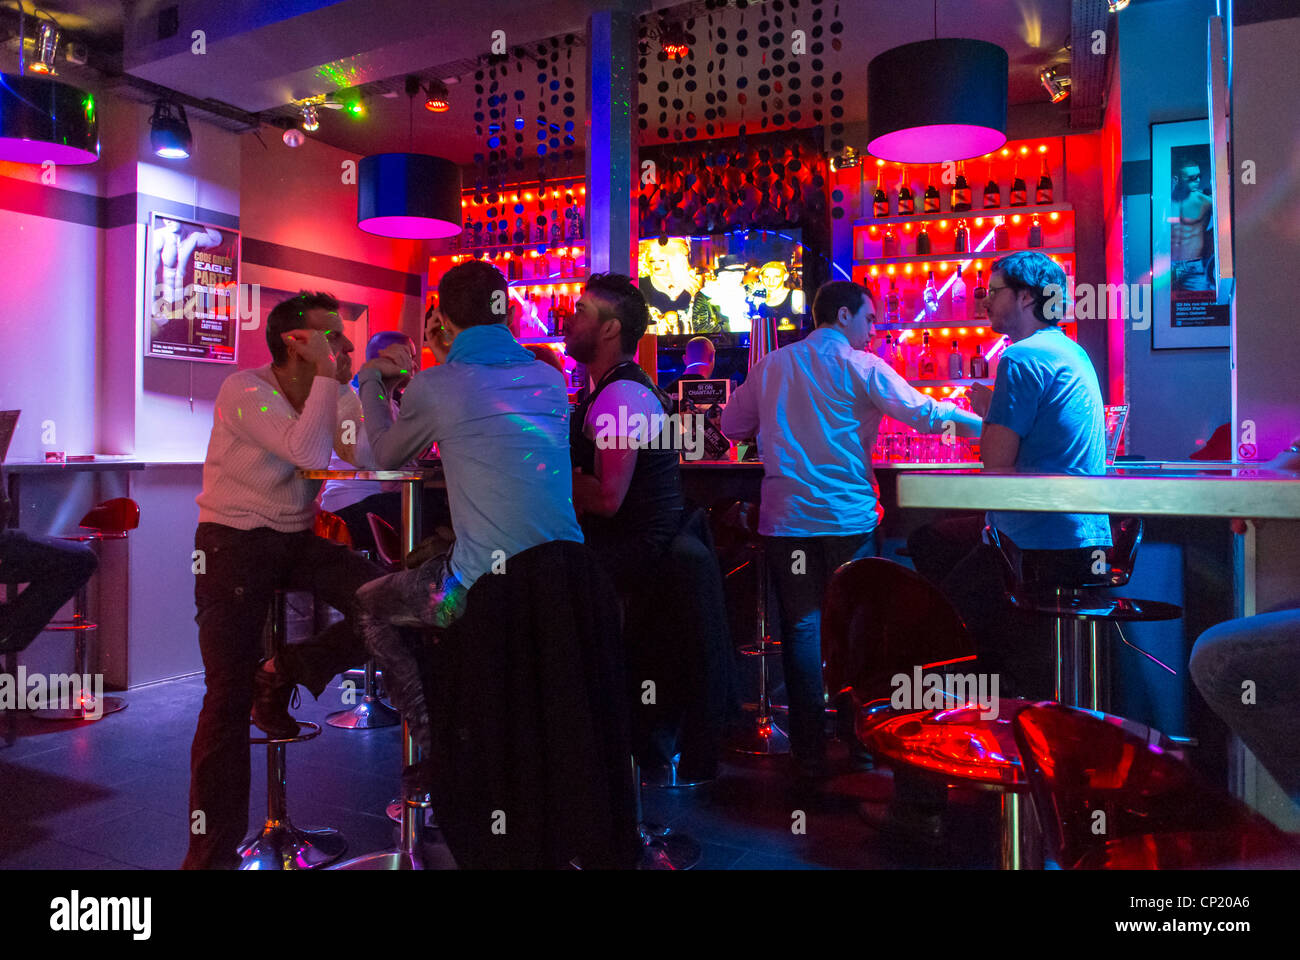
x=721, y=284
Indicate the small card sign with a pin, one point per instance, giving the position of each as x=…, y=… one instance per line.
x=707, y=397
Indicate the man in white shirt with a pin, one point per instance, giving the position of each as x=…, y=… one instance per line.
x=254, y=537
x=815, y=407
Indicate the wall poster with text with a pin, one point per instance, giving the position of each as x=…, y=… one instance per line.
x=192, y=308
x=1183, y=264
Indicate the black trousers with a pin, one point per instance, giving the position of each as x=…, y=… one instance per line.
x=1012, y=643
x=54, y=570
x=233, y=595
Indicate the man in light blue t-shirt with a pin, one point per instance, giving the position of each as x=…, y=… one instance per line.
x=1044, y=415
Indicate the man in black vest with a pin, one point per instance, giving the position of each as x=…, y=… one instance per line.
x=627, y=483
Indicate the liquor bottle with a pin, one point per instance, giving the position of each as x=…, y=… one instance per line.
x=1019, y=192
x=1002, y=235
x=880, y=199
x=959, y=297
x=930, y=298
x=955, y=362
x=566, y=263
x=541, y=233
x=555, y=228
x=543, y=266
x=927, y=368
x=930, y=202
x=992, y=192
x=551, y=318
x=888, y=350
x=890, y=244
x=1044, y=192
x=981, y=296
x=923, y=242
x=1035, y=233
x=892, y=311
x=902, y=355
x=561, y=320
x=513, y=269
x=906, y=199
x=520, y=235
x=979, y=367
x=575, y=222
x=960, y=241
x=961, y=190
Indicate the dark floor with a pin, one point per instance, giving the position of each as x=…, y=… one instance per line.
x=112, y=794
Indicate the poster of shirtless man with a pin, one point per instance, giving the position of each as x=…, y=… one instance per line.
x=192, y=273
x=1191, y=232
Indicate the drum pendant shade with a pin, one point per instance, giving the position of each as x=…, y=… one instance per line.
x=411, y=196
x=42, y=119
x=937, y=100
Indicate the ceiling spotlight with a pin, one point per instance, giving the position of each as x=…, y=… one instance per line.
x=1055, y=83
x=293, y=137
x=357, y=107
x=170, y=133
x=331, y=101
x=1115, y=6
x=437, y=100
x=310, y=118
x=47, y=47
x=674, y=40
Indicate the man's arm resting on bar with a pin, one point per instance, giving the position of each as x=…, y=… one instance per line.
x=394, y=442
x=603, y=493
x=999, y=446
x=894, y=396
x=305, y=442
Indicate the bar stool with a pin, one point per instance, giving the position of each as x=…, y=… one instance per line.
x=1082, y=661
x=762, y=736
x=372, y=712
x=280, y=845
x=109, y=520
x=662, y=848
x=959, y=746
x=1116, y=795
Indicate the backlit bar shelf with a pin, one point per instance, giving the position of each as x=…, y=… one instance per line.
x=548, y=282
x=972, y=215
x=959, y=382
x=941, y=257
x=473, y=252
x=960, y=328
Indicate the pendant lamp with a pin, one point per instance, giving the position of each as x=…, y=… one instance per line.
x=937, y=100
x=43, y=119
x=412, y=196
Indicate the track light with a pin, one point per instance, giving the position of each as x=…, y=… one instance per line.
x=170, y=133
x=47, y=48
x=438, y=99
x=1055, y=83
x=674, y=40
x=310, y=118
x=1115, y=6
x=331, y=101
x=293, y=137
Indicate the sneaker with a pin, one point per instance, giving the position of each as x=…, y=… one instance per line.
x=273, y=694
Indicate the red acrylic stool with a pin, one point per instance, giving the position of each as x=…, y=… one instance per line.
x=960, y=747
x=1114, y=794
x=109, y=520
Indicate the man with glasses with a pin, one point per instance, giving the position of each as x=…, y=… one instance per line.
x=1044, y=415
x=254, y=537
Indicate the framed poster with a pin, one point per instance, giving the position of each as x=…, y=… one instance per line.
x=192, y=296
x=1184, y=265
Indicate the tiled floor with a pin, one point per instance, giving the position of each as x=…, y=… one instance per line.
x=113, y=795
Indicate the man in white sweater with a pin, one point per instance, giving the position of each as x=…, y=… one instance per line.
x=254, y=537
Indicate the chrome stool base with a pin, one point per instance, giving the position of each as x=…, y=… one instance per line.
x=667, y=777
x=282, y=846
x=663, y=849
x=762, y=738
x=370, y=714
x=107, y=705
x=394, y=813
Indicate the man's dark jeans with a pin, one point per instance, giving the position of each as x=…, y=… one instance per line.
x=1014, y=644
x=243, y=569
x=54, y=570
x=801, y=568
x=1264, y=649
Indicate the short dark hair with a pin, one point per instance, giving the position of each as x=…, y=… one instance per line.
x=473, y=294
x=1039, y=274
x=835, y=294
x=626, y=303
x=289, y=315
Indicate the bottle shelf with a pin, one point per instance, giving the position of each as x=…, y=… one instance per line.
x=1027, y=209
x=548, y=282
x=956, y=382
x=528, y=340
x=512, y=247
x=941, y=257
x=969, y=326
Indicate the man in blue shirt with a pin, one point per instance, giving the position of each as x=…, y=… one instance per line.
x=500, y=419
x=1044, y=415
